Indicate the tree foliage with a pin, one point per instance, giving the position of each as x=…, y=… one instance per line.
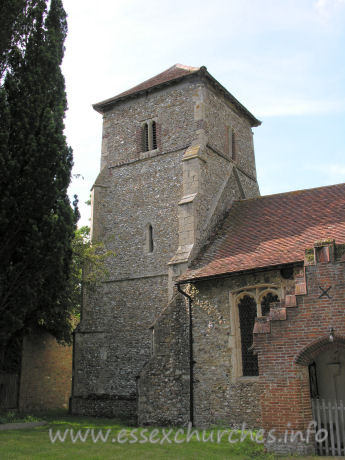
x=12, y=14
x=88, y=266
x=37, y=222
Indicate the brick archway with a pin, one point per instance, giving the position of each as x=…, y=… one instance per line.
x=325, y=361
x=310, y=352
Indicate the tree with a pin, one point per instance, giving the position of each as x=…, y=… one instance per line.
x=89, y=267
x=37, y=222
x=12, y=14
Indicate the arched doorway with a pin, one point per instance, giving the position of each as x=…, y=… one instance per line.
x=326, y=363
x=329, y=374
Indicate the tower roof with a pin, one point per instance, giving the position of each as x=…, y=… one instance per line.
x=173, y=75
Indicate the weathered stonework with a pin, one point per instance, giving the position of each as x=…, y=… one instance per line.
x=164, y=384
x=181, y=190
x=114, y=344
x=223, y=395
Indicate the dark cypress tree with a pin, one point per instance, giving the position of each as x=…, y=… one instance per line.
x=12, y=25
x=37, y=221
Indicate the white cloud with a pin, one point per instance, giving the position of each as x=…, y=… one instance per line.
x=328, y=10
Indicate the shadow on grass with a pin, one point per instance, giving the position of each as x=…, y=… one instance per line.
x=122, y=442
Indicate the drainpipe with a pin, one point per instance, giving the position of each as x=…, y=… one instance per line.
x=70, y=402
x=191, y=361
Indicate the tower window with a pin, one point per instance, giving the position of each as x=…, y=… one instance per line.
x=146, y=137
x=154, y=135
x=153, y=341
x=149, y=239
x=231, y=142
x=149, y=136
x=233, y=145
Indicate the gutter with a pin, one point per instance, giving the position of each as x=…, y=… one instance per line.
x=191, y=360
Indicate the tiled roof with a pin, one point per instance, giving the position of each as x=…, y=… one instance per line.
x=272, y=230
x=176, y=71
x=174, y=74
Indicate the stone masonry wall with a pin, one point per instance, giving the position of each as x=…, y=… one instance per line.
x=114, y=344
x=46, y=374
x=173, y=109
x=115, y=359
x=221, y=115
x=163, y=386
x=140, y=194
x=219, y=188
x=134, y=190
x=221, y=395
x=212, y=178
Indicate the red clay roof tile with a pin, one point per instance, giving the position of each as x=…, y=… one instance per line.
x=273, y=230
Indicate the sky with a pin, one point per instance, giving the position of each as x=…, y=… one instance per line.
x=282, y=59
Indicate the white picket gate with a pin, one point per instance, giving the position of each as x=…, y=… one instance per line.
x=330, y=415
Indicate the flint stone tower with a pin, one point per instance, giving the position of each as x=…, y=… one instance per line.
x=176, y=151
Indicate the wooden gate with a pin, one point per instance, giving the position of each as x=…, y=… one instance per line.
x=330, y=415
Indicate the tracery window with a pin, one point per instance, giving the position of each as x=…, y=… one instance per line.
x=266, y=302
x=254, y=301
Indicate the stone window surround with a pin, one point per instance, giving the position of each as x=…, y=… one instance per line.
x=257, y=292
x=153, y=344
x=149, y=122
x=231, y=143
x=149, y=239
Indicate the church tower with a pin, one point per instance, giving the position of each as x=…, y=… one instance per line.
x=176, y=151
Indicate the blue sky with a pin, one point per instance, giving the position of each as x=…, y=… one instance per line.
x=283, y=59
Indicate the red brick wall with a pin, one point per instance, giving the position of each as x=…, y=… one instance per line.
x=284, y=354
x=46, y=374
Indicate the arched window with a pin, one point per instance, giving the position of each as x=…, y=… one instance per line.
x=246, y=305
x=233, y=145
x=247, y=314
x=152, y=341
x=145, y=137
x=154, y=135
x=149, y=136
x=149, y=238
x=266, y=303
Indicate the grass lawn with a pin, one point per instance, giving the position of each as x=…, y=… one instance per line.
x=35, y=443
